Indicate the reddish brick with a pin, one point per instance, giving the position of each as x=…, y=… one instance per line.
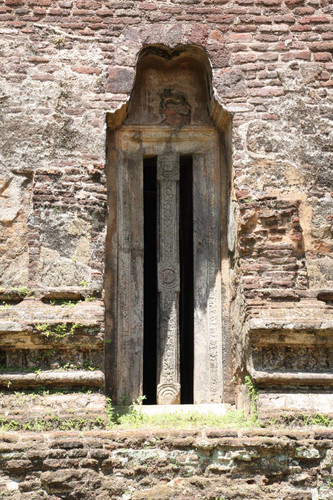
x=220, y=19
x=199, y=34
x=242, y=193
x=301, y=27
x=17, y=24
x=284, y=19
x=263, y=19
x=43, y=77
x=269, y=56
x=219, y=58
x=40, y=3
x=304, y=11
x=120, y=80
x=247, y=28
x=321, y=47
x=38, y=59
x=324, y=75
x=147, y=6
x=270, y=3
x=217, y=36
x=14, y=2
x=39, y=11
x=290, y=56
x=240, y=37
x=314, y=19
x=57, y=12
x=104, y=12
x=245, y=57
x=293, y=3
x=88, y=70
x=266, y=91
x=323, y=56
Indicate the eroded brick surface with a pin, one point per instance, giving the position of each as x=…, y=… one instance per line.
x=193, y=464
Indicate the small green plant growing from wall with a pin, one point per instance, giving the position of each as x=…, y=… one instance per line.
x=59, y=331
x=253, y=394
x=24, y=291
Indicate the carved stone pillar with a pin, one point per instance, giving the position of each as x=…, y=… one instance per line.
x=168, y=373
x=208, y=355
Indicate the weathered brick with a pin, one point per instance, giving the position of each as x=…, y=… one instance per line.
x=323, y=56
x=321, y=46
x=290, y=56
x=87, y=70
x=315, y=19
x=40, y=3
x=120, y=80
x=43, y=77
x=267, y=91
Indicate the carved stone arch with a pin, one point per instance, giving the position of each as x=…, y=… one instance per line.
x=174, y=122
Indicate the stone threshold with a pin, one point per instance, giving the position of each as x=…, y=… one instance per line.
x=215, y=408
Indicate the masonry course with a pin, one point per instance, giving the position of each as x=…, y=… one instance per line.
x=167, y=464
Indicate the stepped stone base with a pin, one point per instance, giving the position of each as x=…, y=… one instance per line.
x=21, y=410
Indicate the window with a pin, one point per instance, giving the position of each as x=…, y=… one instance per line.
x=169, y=181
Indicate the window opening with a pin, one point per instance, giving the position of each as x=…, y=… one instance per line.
x=150, y=278
x=186, y=298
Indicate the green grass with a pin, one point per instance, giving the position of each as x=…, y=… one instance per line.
x=300, y=420
x=133, y=417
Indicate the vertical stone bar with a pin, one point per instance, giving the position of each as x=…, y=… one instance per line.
x=208, y=374
x=168, y=370
x=130, y=281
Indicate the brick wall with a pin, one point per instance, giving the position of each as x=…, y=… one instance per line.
x=65, y=64
x=163, y=464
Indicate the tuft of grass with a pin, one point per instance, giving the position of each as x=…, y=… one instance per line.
x=253, y=393
x=300, y=420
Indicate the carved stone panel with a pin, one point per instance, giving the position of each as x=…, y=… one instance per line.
x=208, y=373
x=298, y=358
x=168, y=375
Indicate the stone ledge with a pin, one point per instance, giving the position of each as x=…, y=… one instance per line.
x=294, y=324
x=52, y=378
x=273, y=404
x=264, y=378
x=52, y=410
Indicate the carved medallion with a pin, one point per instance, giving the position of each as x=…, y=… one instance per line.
x=168, y=394
x=168, y=277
